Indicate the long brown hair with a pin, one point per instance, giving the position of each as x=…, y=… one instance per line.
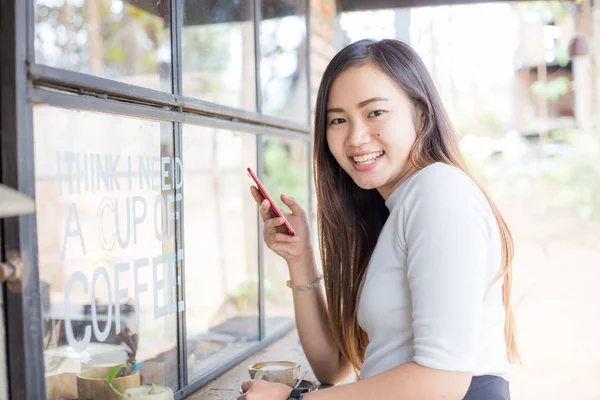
x=350, y=218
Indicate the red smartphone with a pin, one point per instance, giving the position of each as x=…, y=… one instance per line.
x=275, y=211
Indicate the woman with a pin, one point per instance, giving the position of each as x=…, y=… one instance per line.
x=416, y=258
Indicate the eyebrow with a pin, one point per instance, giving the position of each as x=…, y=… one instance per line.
x=360, y=105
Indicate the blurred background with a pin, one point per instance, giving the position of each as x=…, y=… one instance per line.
x=521, y=86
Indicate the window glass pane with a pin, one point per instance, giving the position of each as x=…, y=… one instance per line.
x=106, y=236
x=128, y=41
x=285, y=171
x=221, y=236
x=283, y=63
x=218, y=52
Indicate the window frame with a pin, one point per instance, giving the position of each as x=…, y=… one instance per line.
x=24, y=84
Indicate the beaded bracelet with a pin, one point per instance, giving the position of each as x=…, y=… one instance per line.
x=305, y=288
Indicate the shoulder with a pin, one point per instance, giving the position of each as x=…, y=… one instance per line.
x=443, y=181
x=442, y=194
x=441, y=174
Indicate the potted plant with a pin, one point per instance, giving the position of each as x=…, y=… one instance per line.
x=110, y=381
x=102, y=382
x=121, y=381
x=145, y=392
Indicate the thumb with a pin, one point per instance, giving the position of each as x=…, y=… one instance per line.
x=292, y=204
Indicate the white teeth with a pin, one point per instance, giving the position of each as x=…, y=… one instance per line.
x=367, y=158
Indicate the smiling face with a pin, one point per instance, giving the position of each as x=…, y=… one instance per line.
x=370, y=128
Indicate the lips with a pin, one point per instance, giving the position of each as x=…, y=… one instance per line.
x=367, y=162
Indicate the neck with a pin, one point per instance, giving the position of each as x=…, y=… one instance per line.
x=387, y=190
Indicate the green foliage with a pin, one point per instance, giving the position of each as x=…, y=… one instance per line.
x=112, y=374
x=567, y=183
x=246, y=293
x=575, y=176
x=115, y=55
x=494, y=124
x=282, y=175
x=561, y=52
x=553, y=89
x=205, y=47
x=75, y=22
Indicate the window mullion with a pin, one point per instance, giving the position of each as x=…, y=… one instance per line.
x=259, y=171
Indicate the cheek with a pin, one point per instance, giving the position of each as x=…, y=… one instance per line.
x=336, y=146
x=398, y=135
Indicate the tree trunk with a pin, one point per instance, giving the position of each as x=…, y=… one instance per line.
x=66, y=18
x=130, y=45
x=92, y=19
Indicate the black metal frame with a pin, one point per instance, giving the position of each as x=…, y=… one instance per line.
x=46, y=77
x=23, y=309
x=24, y=84
x=97, y=103
x=176, y=58
x=260, y=169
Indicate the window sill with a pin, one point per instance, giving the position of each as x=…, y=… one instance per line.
x=227, y=386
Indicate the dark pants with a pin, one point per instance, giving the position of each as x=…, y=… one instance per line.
x=488, y=387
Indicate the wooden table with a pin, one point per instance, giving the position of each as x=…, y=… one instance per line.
x=227, y=386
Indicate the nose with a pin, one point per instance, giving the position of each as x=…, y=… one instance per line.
x=358, y=134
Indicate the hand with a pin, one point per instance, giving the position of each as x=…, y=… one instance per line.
x=292, y=248
x=263, y=390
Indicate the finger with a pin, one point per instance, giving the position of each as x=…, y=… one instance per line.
x=292, y=204
x=286, y=214
x=265, y=210
x=258, y=197
x=273, y=223
x=246, y=385
x=285, y=238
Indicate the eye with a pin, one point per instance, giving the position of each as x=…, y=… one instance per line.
x=337, y=121
x=376, y=113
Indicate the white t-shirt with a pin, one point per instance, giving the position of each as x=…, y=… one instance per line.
x=428, y=295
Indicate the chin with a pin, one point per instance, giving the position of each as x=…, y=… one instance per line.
x=365, y=181
x=368, y=185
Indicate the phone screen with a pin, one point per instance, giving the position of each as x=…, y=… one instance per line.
x=275, y=211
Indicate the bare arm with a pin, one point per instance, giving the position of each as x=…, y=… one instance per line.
x=312, y=323
x=310, y=308
x=407, y=382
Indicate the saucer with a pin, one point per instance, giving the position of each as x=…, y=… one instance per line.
x=305, y=384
